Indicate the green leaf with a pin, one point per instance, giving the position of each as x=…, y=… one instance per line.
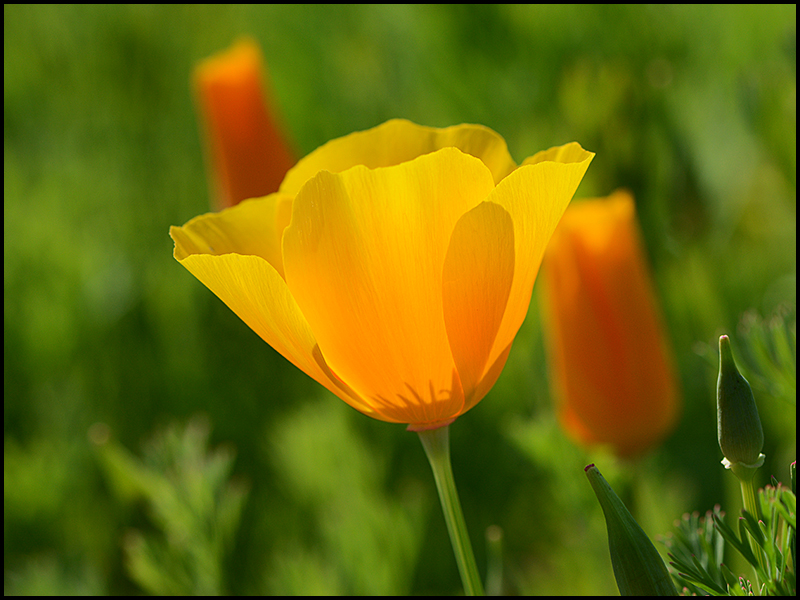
x=638, y=568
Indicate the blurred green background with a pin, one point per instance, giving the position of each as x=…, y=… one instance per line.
x=117, y=362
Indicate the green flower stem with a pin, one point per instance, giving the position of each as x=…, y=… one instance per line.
x=437, y=446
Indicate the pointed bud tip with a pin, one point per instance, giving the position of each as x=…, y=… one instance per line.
x=725, y=352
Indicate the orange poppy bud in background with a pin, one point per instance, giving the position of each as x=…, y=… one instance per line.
x=610, y=365
x=247, y=154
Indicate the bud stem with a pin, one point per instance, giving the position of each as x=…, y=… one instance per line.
x=751, y=506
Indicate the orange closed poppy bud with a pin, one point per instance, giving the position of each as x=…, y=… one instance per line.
x=248, y=155
x=395, y=265
x=611, y=369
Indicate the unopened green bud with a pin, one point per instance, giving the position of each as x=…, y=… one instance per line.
x=638, y=568
x=739, y=431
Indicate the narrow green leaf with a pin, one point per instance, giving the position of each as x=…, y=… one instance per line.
x=638, y=568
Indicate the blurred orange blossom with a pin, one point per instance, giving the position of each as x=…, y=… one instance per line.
x=247, y=153
x=610, y=364
x=394, y=265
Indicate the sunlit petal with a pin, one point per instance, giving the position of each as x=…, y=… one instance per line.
x=364, y=256
x=478, y=271
x=399, y=141
x=258, y=295
x=254, y=227
x=535, y=195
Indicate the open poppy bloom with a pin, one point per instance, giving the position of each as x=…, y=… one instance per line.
x=394, y=265
x=610, y=363
x=248, y=154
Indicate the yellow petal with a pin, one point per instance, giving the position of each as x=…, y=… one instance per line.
x=253, y=289
x=568, y=153
x=364, y=256
x=399, y=141
x=535, y=195
x=477, y=277
x=254, y=227
x=489, y=378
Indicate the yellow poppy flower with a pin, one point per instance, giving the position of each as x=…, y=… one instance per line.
x=610, y=364
x=394, y=265
x=248, y=155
